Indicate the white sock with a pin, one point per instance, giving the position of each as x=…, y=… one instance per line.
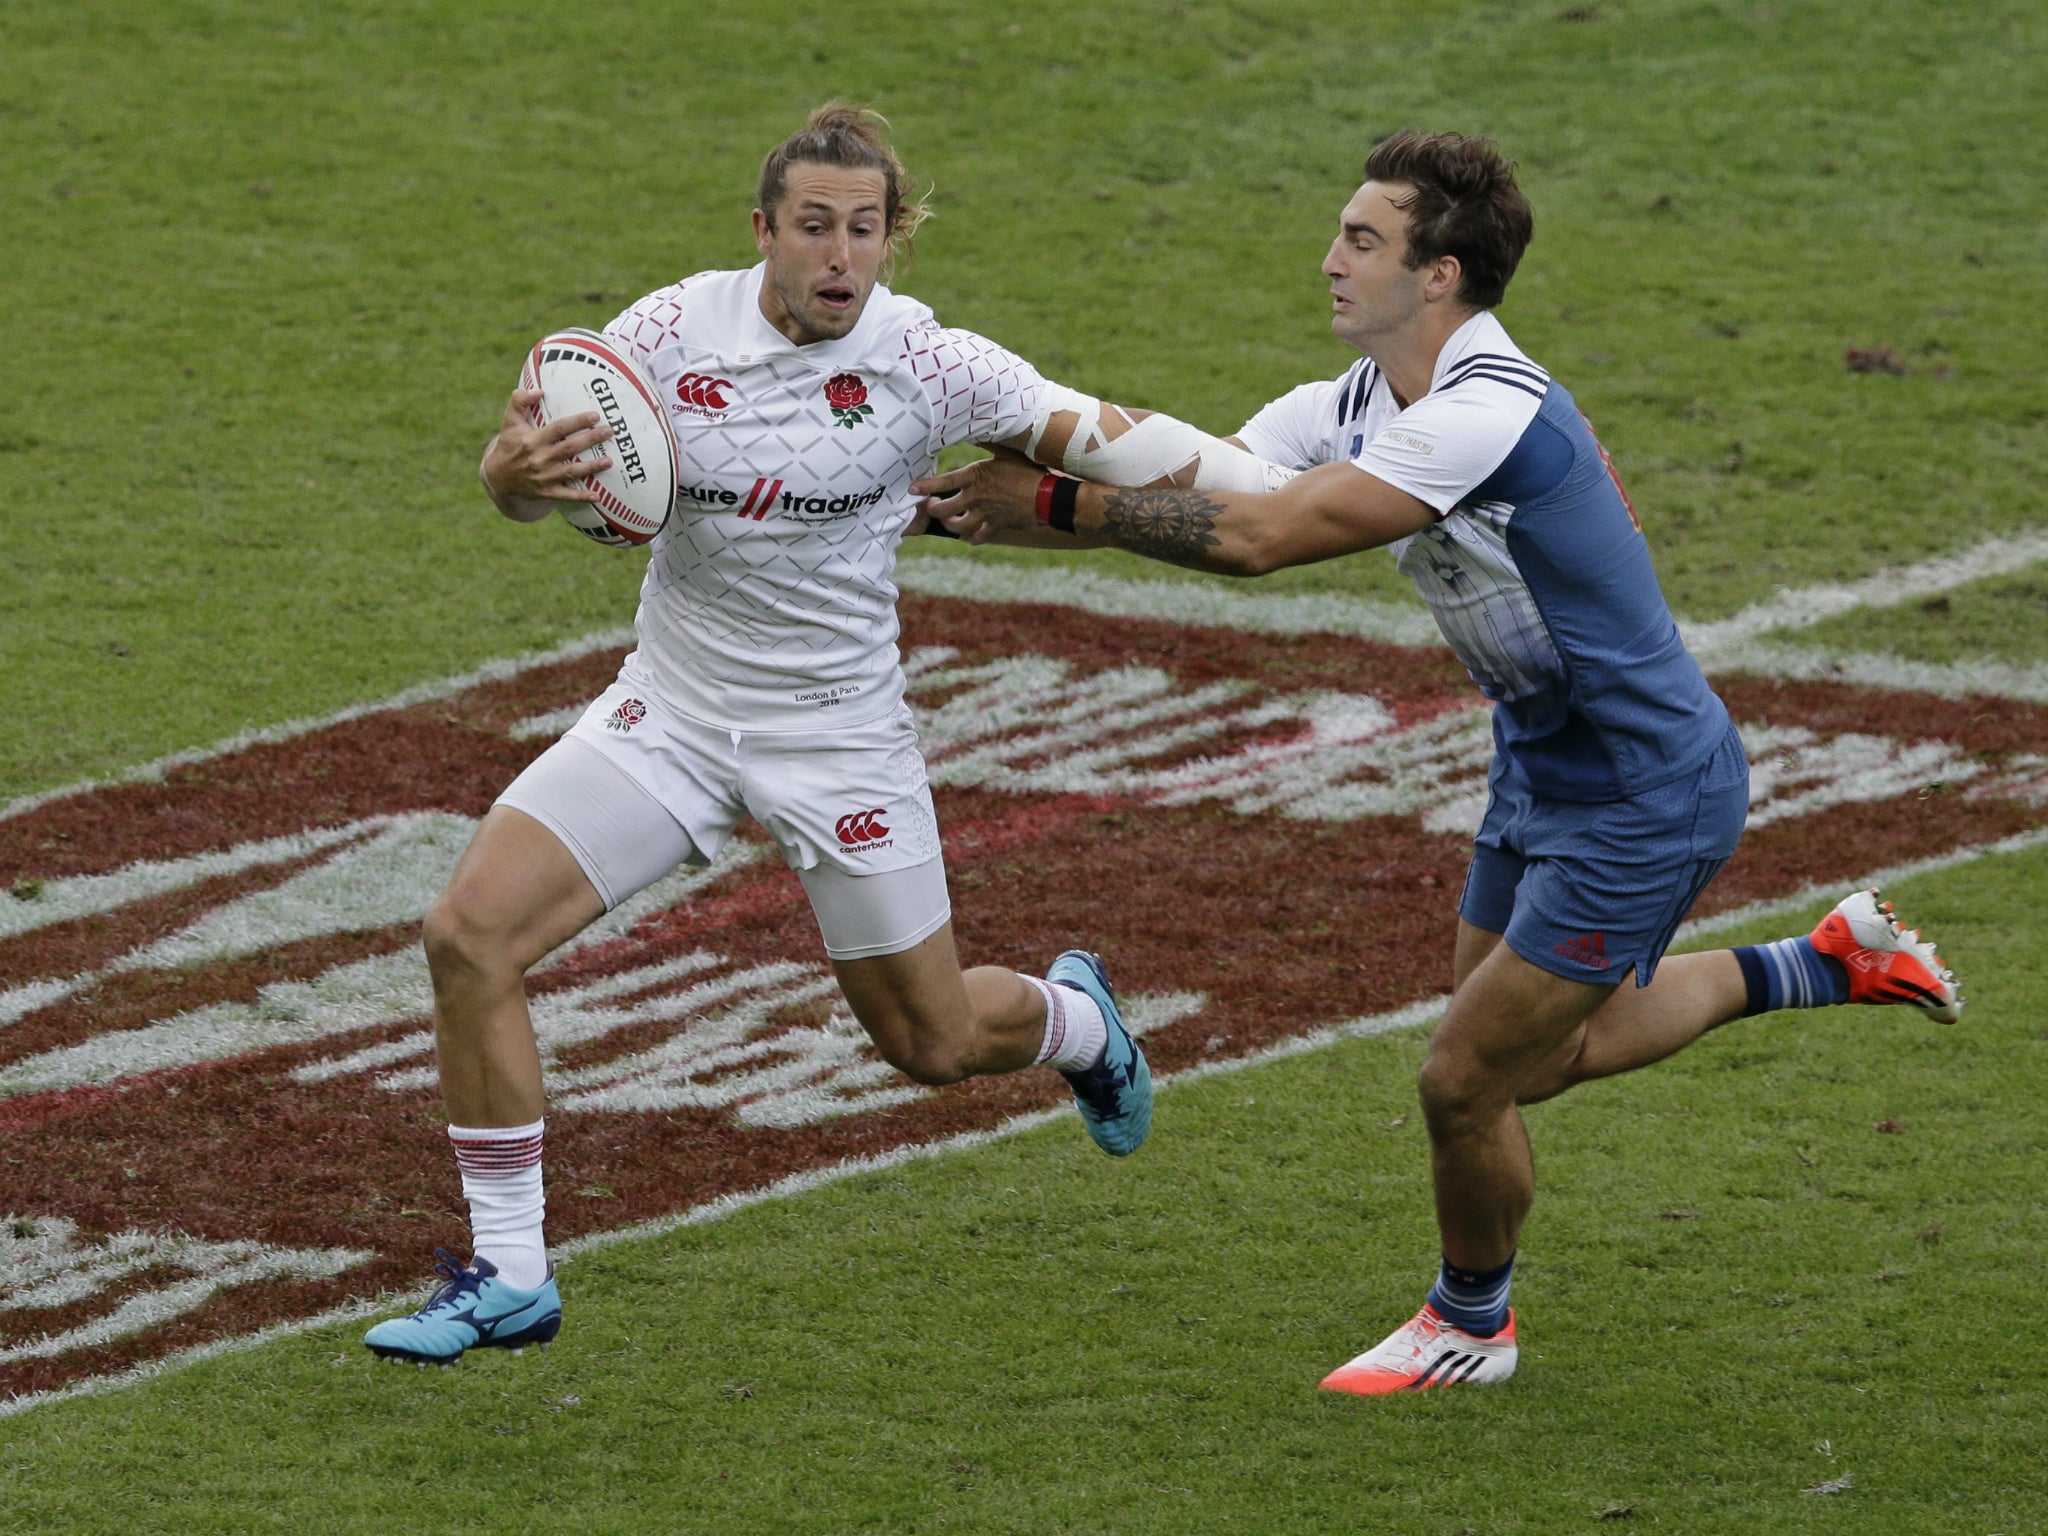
x=1076, y=1034
x=502, y=1182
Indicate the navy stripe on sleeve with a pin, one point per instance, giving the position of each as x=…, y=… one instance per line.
x=1495, y=365
x=1512, y=380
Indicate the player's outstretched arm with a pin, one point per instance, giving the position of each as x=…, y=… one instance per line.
x=526, y=469
x=1331, y=511
x=1117, y=445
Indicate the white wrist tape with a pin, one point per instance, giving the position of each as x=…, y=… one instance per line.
x=1153, y=449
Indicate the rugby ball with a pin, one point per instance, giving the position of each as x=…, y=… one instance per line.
x=577, y=371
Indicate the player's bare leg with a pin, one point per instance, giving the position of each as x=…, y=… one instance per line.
x=939, y=1024
x=1689, y=995
x=1692, y=994
x=1637, y=1026
x=1506, y=1021
x=516, y=894
x=1505, y=1025
x=1483, y=1173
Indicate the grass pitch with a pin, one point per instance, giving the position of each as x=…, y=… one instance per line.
x=292, y=258
x=1742, y=1285
x=278, y=267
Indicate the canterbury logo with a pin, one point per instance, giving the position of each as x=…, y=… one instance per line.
x=861, y=827
x=1588, y=949
x=702, y=390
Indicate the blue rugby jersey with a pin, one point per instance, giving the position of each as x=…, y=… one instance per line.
x=1537, y=571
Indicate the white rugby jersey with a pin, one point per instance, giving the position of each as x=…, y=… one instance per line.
x=768, y=602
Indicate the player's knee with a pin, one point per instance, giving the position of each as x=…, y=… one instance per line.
x=457, y=943
x=937, y=1065
x=1456, y=1092
x=929, y=1059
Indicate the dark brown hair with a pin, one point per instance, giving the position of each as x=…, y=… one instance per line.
x=842, y=134
x=1463, y=202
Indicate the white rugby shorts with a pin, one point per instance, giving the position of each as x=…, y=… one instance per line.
x=636, y=788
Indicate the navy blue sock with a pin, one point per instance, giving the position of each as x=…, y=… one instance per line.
x=1475, y=1300
x=1791, y=974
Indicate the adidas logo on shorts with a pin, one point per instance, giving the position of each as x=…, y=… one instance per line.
x=1588, y=949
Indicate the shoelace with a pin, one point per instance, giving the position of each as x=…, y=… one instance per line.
x=456, y=1279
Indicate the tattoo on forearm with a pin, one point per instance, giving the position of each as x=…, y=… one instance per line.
x=1172, y=525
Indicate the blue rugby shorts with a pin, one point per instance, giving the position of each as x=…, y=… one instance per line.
x=1592, y=890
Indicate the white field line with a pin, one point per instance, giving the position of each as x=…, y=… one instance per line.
x=1798, y=609
x=1722, y=645
x=419, y=693
x=1880, y=669
x=1398, y=1021
x=1293, y=614
x=149, y=1370
x=1755, y=911
x=1410, y=624
x=1180, y=602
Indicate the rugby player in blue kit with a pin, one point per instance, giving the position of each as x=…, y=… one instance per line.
x=1618, y=786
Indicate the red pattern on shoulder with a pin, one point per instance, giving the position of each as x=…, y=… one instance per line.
x=979, y=390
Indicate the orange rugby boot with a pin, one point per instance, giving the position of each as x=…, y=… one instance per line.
x=1887, y=963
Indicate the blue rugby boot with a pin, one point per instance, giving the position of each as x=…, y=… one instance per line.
x=1115, y=1094
x=472, y=1308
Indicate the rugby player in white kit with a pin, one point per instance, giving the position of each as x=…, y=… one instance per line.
x=805, y=398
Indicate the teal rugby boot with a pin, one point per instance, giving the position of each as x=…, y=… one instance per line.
x=1115, y=1095
x=472, y=1308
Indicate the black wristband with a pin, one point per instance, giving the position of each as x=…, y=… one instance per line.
x=1061, y=514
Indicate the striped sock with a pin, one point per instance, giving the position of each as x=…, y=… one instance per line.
x=1791, y=974
x=501, y=1179
x=1076, y=1034
x=1475, y=1300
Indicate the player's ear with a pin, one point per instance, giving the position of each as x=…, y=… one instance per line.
x=1445, y=274
x=764, y=232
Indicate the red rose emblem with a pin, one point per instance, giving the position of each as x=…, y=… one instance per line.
x=848, y=397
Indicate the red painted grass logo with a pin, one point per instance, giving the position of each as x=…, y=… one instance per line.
x=243, y=935
x=861, y=829
x=847, y=394
x=629, y=714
